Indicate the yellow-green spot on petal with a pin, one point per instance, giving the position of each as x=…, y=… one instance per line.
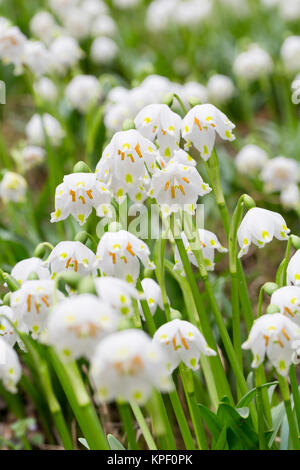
x=120, y=192
x=125, y=310
x=67, y=352
x=128, y=178
x=80, y=217
x=228, y=134
x=193, y=362
x=282, y=365
x=11, y=371
x=129, y=278
x=167, y=152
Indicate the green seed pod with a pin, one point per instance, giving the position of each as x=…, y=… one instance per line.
x=87, y=286
x=273, y=309
x=175, y=314
x=81, y=167
x=295, y=242
x=82, y=237
x=270, y=287
x=168, y=99
x=194, y=101
x=72, y=279
x=128, y=124
x=248, y=201
x=6, y=299
x=33, y=276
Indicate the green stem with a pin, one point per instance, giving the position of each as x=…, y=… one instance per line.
x=143, y=426
x=159, y=256
x=181, y=420
x=293, y=431
x=295, y=392
x=128, y=425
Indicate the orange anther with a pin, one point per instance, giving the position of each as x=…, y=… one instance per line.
x=129, y=249
x=138, y=150
x=28, y=303
x=113, y=255
x=37, y=307
x=73, y=194
x=266, y=340
x=89, y=193
x=288, y=310
x=68, y=262
x=76, y=265
x=173, y=192
x=198, y=123
x=167, y=185
x=185, y=179
x=183, y=340
x=285, y=334
x=44, y=299
x=181, y=189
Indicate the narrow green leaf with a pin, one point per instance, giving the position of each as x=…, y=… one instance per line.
x=114, y=443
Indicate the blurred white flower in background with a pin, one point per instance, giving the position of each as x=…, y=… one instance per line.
x=279, y=172
x=290, y=53
x=22, y=270
x=46, y=89
x=67, y=53
x=251, y=159
x=39, y=126
x=253, y=63
x=83, y=92
x=13, y=187
x=103, y=50
x=44, y=27
x=220, y=88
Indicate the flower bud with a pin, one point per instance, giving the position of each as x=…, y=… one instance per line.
x=175, y=314
x=86, y=285
x=168, y=99
x=81, y=167
x=295, y=242
x=71, y=278
x=273, y=309
x=270, y=287
x=194, y=101
x=6, y=299
x=128, y=124
x=248, y=201
x=82, y=237
x=11, y=282
x=33, y=276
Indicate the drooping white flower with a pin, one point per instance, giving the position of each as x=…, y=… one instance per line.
x=259, y=226
x=177, y=187
x=182, y=341
x=290, y=10
x=12, y=45
x=153, y=295
x=273, y=335
x=13, y=187
x=253, y=64
x=123, y=4
x=37, y=58
x=30, y=156
x=209, y=243
x=62, y=7
x=127, y=366
x=38, y=126
x=77, y=23
x=157, y=121
x=250, y=159
x=71, y=255
x=118, y=294
x=32, y=304
x=10, y=367
x=67, y=53
x=8, y=325
x=78, y=194
x=200, y=125
x=43, y=26
x=220, y=88
x=46, y=89
x=280, y=172
x=103, y=50
x=76, y=325
x=293, y=270
x=22, y=270
x=94, y=7
x=82, y=92
x=290, y=54
x=288, y=300
x=290, y=196
x=103, y=25
x=119, y=255
x=124, y=165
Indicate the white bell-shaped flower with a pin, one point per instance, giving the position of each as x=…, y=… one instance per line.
x=67, y=53
x=153, y=296
x=77, y=324
x=126, y=366
x=220, y=88
x=293, y=270
x=157, y=121
x=253, y=64
x=77, y=196
x=200, y=125
x=10, y=367
x=74, y=256
x=177, y=187
x=7, y=324
x=124, y=165
x=273, y=335
x=290, y=197
x=251, y=159
x=24, y=268
x=32, y=304
x=182, y=341
x=13, y=187
x=259, y=226
x=209, y=243
x=82, y=92
x=118, y=294
x=279, y=173
x=119, y=255
x=12, y=45
x=288, y=300
x=39, y=126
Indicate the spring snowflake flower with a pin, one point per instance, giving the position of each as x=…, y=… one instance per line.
x=7, y=331
x=290, y=197
x=177, y=187
x=220, y=88
x=259, y=226
x=290, y=10
x=280, y=172
x=290, y=54
x=103, y=50
x=76, y=325
x=74, y=256
x=12, y=45
x=77, y=23
x=157, y=121
x=83, y=92
x=293, y=270
x=253, y=64
x=153, y=296
x=273, y=334
x=22, y=270
x=288, y=300
x=43, y=26
x=103, y=25
x=38, y=126
x=94, y=7
x=251, y=159
x=77, y=195
x=209, y=243
x=10, y=368
x=46, y=89
x=37, y=58
x=67, y=53
x=32, y=304
x=30, y=156
x=118, y=294
x=200, y=125
x=119, y=255
x=124, y=165
x=13, y=187
x=126, y=366
x=182, y=341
